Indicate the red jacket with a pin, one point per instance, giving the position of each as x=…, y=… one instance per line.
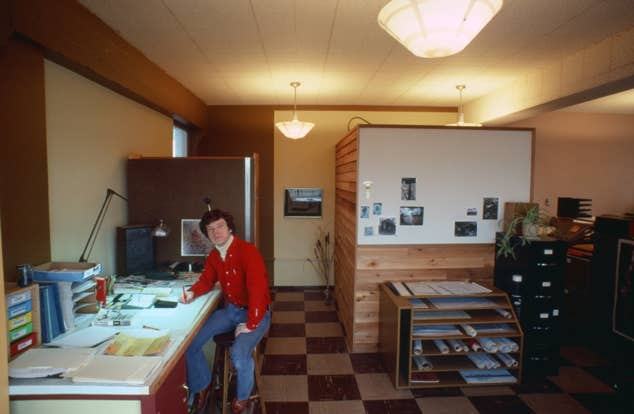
x=242, y=277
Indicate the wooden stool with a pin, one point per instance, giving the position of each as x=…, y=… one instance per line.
x=222, y=360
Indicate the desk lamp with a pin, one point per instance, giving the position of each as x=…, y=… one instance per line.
x=160, y=230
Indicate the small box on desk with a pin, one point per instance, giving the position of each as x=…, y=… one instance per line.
x=65, y=271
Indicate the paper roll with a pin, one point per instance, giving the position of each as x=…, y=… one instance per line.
x=468, y=329
x=422, y=363
x=474, y=345
x=441, y=345
x=504, y=313
x=455, y=345
x=418, y=347
x=508, y=360
x=488, y=345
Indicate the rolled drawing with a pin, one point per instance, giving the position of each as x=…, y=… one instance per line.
x=504, y=313
x=468, y=329
x=502, y=345
x=488, y=345
x=441, y=345
x=464, y=346
x=474, y=345
x=477, y=360
x=508, y=360
x=422, y=363
x=514, y=346
x=418, y=347
x=455, y=345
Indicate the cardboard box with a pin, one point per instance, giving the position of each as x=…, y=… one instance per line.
x=65, y=271
x=512, y=209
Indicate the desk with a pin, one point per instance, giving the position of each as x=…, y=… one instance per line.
x=164, y=392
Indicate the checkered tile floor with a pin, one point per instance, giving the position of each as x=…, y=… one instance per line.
x=308, y=369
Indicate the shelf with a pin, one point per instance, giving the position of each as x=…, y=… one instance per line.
x=399, y=318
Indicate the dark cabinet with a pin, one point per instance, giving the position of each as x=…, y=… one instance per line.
x=534, y=280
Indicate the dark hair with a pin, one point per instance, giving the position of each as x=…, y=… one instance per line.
x=215, y=215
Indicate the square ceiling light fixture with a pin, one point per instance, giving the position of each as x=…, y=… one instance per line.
x=436, y=28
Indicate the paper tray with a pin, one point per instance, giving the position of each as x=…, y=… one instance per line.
x=65, y=271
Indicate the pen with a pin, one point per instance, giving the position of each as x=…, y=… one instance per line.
x=184, y=295
x=150, y=327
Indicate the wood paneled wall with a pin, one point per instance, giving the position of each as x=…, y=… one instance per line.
x=359, y=269
x=23, y=163
x=346, y=230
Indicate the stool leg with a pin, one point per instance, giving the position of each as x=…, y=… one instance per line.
x=258, y=383
x=225, y=381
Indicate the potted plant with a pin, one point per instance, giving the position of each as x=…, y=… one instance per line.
x=522, y=228
x=323, y=258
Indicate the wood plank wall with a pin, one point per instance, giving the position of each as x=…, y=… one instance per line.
x=360, y=269
x=376, y=264
x=346, y=229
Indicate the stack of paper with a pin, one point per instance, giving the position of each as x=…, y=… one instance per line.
x=133, y=370
x=436, y=330
x=493, y=376
x=44, y=362
x=85, y=338
x=138, y=342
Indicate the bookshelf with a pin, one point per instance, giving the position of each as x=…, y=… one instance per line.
x=402, y=324
x=23, y=308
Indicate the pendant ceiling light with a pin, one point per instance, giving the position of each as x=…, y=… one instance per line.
x=436, y=28
x=461, y=121
x=295, y=129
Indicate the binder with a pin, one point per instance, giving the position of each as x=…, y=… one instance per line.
x=16, y=298
x=19, y=309
x=18, y=333
x=22, y=344
x=20, y=320
x=50, y=312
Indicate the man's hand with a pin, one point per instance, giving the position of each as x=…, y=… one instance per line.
x=186, y=296
x=241, y=328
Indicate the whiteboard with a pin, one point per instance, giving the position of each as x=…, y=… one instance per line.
x=454, y=169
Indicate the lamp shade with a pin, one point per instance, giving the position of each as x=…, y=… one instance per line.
x=436, y=28
x=294, y=129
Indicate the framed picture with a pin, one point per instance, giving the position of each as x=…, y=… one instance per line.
x=303, y=202
x=193, y=242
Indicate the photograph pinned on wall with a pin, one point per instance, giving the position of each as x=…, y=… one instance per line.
x=490, y=208
x=193, y=242
x=408, y=188
x=368, y=231
x=472, y=211
x=465, y=229
x=387, y=226
x=377, y=209
x=365, y=212
x=412, y=216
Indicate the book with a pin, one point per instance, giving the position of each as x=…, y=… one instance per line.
x=424, y=378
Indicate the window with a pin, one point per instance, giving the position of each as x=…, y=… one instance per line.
x=179, y=142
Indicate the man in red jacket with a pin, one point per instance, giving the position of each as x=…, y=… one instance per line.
x=238, y=267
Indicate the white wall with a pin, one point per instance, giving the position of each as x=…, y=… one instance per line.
x=310, y=162
x=90, y=132
x=584, y=155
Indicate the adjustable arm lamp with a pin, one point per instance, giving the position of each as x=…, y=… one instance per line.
x=160, y=230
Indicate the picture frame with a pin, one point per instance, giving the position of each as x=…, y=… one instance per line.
x=303, y=202
x=193, y=242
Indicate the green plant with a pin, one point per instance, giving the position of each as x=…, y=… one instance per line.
x=531, y=222
x=323, y=258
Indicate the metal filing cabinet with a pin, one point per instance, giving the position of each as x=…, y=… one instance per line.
x=534, y=280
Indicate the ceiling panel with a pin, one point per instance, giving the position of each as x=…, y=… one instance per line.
x=248, y=51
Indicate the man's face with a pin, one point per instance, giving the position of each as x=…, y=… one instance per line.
x=218, y=231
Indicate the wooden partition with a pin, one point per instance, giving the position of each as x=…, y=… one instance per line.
x=360, y=268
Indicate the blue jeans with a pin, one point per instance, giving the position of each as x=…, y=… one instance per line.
x=220, y=321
